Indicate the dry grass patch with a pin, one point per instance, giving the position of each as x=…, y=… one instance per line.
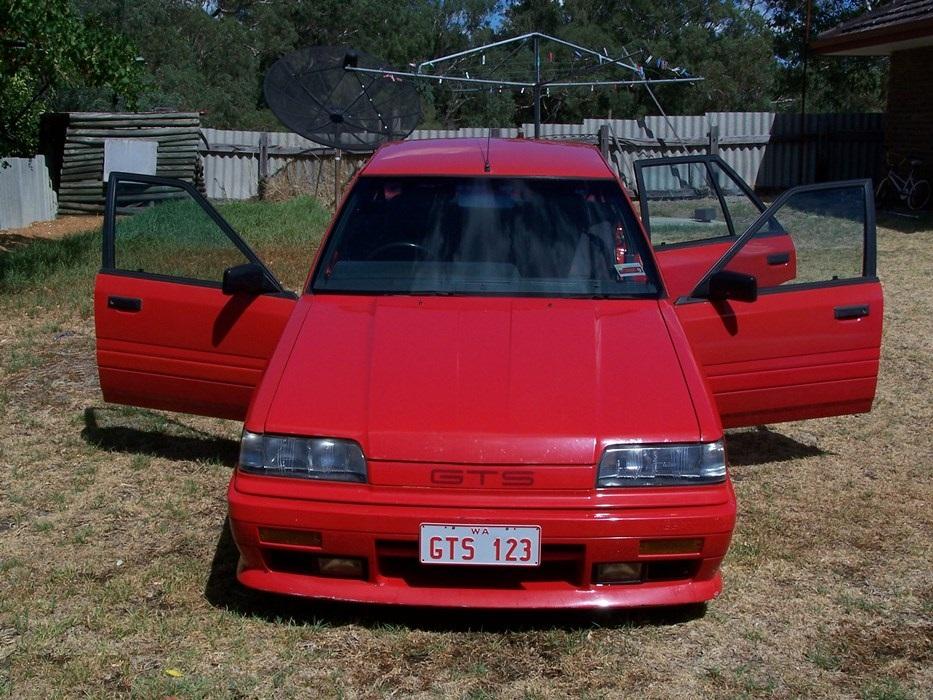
x=116, y=569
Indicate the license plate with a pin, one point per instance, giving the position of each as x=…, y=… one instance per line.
x=497, y=545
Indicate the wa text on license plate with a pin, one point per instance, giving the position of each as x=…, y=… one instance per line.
x=500, y=545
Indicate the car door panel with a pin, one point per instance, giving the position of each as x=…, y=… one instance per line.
x=181, y=344
x=774, y=262
x=801, y=350
x=785, y=356
x=188, y=348
x=683, y=264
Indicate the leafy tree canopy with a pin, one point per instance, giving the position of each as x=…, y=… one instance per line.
x=727, y=43
x=834, y=83
x=46, y=45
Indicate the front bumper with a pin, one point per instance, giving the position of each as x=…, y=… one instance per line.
x=579, y=530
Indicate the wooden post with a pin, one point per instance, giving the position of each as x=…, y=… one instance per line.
x=263, y=163
x=320, y=173
x=713, y=148
x=536, y=91
x=604, y=140
x=803, y=95
x=336, y=179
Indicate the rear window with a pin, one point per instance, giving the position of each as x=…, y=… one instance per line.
x=484, y=235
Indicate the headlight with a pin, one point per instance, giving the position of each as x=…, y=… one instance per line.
x=306, y=458
x=662, y=465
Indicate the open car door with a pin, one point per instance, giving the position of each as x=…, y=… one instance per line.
x=808, y=346
x=186, y=315
x=693, y=209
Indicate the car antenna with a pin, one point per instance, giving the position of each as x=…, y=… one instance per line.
x=486, y=166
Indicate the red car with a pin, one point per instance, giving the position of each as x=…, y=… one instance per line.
x=500, y=387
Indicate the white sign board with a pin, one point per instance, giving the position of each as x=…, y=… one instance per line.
x=130, y=156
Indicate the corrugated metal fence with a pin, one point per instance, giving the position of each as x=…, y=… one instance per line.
x=26, y=193
x=770, y=151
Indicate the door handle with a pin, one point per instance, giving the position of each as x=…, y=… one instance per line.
x=125, y=303
x=847, y=312
x=779, y=258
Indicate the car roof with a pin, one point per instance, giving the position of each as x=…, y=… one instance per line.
x=507, y=157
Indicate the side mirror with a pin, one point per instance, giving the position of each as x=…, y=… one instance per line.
x=732, y=285
x=249, y=278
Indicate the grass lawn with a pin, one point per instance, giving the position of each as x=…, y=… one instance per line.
x=117, y=572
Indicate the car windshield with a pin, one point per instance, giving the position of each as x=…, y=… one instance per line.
x=485, y=235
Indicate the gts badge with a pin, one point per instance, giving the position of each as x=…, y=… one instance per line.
x=490, y=478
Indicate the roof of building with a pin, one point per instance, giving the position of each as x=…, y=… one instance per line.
x=896, y=26
x=507, y=157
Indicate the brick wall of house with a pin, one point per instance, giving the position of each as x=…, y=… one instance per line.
x=909, y=123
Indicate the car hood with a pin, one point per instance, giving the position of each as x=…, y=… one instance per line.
x=483, y=380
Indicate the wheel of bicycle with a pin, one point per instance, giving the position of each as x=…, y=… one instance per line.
x=919, y=195
x=884, y=194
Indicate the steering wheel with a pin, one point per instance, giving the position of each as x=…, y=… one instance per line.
x=419, y=251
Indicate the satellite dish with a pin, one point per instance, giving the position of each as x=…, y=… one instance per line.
x=312, y=94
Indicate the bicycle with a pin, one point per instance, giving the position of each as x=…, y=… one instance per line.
x=914, y=191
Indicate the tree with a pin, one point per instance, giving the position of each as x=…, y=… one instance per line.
x=834, y=83
x=191, y=61
x=212, y=56
x=45, y=45
x=399, y=33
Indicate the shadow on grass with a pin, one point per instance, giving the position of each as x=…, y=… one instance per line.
x=155, y=435
x=27, y=262
x=8, y=241
x=905, y=221
x=763, y=445
x=223, y=591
